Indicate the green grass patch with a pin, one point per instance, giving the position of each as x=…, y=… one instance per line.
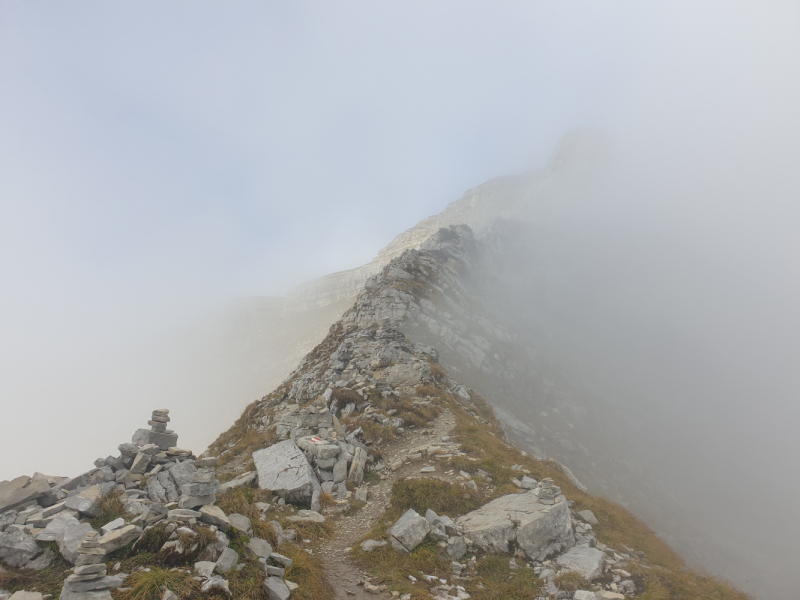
x=150, y=584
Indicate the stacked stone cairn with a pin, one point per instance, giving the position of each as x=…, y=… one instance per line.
x=549, y=492
x=158, y=433
x=89, y=580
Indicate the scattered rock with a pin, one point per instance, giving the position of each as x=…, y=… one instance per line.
x=276, y=588
x=227, y=560
x=539, y=530
x=409, y=530
x=587, y=562
x=283, y=468
x=240, y=523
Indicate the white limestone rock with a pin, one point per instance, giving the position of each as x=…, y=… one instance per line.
x=587, y=562
x=538, y=529
x=284, y=469
x=409, y=531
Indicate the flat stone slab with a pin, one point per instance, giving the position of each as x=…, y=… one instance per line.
x=284, y=470
x=214, y=515
x=587, y=562
x=242, y=480
x=117, y=538
x=164, y=441
x=538, y=529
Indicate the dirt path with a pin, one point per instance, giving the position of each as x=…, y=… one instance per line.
x=343, y=573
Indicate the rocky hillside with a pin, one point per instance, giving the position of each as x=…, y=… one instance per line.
x=374, y=470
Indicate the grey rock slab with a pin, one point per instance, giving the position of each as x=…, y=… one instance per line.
x=168, y=483
x=538, y=529
x=190, y=502
x=587, y=562
x=88, y=501
x=204, y=568
x=240, y=522
x=117, y=538
x=410, y=529
x=14, y=495
x=170, y=595
x=183, y=514
x=104, y=583
x=306, y=516
x=362, y=494
x=584, y=595
x=164, y=441
x=200, y=489
x=245, y=479
x=276, y=588
x=280, y=558
x=259, y=547
x=214, y=515
x=340, y=471
x=284, y=469
x=227, y=560
x=588, y=517
x=140, y=463
x=26, y=596
x=456, y=547
x=274, y=571
x=528, y=483
x=17, y=548
x=111, y=526
x=356, y=474
x=215, y=584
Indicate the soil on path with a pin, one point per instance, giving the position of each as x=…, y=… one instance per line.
x=343, y=573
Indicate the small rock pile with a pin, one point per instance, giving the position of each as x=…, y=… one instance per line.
x=89, y=580
x=158, y=433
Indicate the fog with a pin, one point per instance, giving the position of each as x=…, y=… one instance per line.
x=166, y=171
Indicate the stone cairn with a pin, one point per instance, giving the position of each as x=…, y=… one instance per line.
x=158, y=433
x=549, y=491
x=89, y=578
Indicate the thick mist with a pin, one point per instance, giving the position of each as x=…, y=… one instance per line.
x=159, y=162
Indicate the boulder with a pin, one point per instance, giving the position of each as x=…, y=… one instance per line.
x=21, y=490
x=538, y=529
x=588, y=517
x=259, y=547
x=183, y=473
x=204, y=568
x=356, y=474
x=409, y=531
x=88, y=501
x=67, y=532
x=587, y=562
x=240, y=523
x=26, y=596
x=276, y=588
x=164, y=441
x=340, y=471
x=214, y=515
x=456, y=547
x=17, y=548
x=227, y=560
x=117, y=538
x=284, y=469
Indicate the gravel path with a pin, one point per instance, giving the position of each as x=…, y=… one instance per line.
x=342, y=571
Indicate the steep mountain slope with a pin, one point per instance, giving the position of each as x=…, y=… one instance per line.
x=414, y=337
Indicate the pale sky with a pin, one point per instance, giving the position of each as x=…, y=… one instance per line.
x=158, y=160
